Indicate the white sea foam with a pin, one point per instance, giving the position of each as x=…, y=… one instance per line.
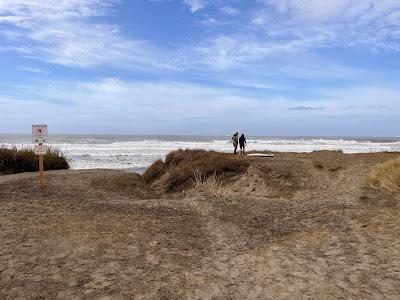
x=136, y=153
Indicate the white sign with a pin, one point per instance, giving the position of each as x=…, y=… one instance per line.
x=39, y=134
x=40, y=149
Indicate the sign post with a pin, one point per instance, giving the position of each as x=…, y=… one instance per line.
x=39, y=136
x=41, y=172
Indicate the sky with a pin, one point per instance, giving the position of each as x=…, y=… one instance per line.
x=207, y=67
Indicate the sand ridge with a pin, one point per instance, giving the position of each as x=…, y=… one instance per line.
x=306, y=227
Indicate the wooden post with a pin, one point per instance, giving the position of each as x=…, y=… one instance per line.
x=41, y=172
x=39, y=135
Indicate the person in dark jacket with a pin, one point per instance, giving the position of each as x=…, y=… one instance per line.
x=242, y=143
x=235, y=142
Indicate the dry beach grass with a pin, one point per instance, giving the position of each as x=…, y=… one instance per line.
x=386, y=176
x=304, y=226
x=13, y=160
x=179, y=170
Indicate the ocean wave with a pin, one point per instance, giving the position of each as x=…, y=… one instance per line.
x=115, y=153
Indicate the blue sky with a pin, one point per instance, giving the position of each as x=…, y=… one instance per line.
x=264, y=67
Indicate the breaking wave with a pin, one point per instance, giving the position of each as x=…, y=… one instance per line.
x=137, y=153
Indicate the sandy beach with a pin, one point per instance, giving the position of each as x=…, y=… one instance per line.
x=301, y=226
x=123, y=129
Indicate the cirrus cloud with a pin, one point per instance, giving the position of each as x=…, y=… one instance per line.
x=63, y=32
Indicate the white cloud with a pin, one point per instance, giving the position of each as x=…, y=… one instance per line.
x=21, y=50
x=32, y=70
x=64, y=34
x=284, y=28
x=124, y=106
x=242, y=51
x=345, y=23
x=94, y=45
x=259, y=20
x=365, y=99
x=229, y=10
x=211, y=22
x=114, y=105
x=362, y=11
x=310, y=9
x=195, y=5
x=171, y=100
x=28, y=13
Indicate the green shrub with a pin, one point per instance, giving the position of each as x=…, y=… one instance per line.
x=13, y=160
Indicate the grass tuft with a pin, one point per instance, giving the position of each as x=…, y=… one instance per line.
x=13, y=160
x=154, y=171
x=211, y=187
x=178, y=171
x=386, y=176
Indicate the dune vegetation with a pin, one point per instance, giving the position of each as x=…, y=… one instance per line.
x=386, y=176
x=181, y=167
x=13, y=160
x=212, y=187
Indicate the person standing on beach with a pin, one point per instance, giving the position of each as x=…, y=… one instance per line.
x=235, y=141
x=242, y=143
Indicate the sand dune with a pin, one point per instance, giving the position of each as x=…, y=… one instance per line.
x=301, y=226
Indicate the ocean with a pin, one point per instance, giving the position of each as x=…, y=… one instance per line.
x=136, y=153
